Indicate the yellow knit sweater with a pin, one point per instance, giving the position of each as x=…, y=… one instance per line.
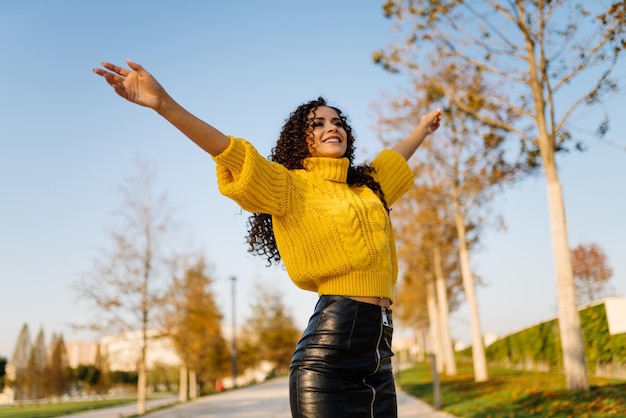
x=334, y=239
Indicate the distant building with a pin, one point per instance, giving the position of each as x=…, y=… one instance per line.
x=615, y=314
x=123, y=351
x=7, y=396
x=79, y=352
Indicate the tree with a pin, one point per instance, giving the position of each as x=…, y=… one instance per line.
x=19, y=361
x=3, y=365
x=35, y=379
x=163, y=376
x=193, y=320
x=103, y=383
x=127, y=280
x=591, y=272
x=456, y=179
x=88, y=375
x=410, y=301
x=58, y=372
x=422, y=237
x=271, y=329
x=532, y=55
x=441, y=288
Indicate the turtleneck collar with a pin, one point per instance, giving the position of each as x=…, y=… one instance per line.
x=333, y=169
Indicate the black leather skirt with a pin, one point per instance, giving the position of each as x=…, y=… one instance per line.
x=342, y=365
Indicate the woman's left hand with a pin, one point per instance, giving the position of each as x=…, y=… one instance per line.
x=431, y=121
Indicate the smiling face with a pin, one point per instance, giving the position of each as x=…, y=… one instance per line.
x=328, y=137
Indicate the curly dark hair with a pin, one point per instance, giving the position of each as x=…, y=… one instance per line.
x=290, y=151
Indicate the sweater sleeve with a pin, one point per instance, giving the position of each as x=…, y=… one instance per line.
x=249, y=179
x=393, y=174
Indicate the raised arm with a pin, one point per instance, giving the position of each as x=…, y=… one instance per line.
x=428, y=124
x=139, y=86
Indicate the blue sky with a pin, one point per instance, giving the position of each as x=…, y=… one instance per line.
x=67, y=143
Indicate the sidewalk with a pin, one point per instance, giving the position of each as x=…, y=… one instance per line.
x=412, y=407
x=266, y=400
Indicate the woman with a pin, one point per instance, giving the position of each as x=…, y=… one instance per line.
x=328, y=222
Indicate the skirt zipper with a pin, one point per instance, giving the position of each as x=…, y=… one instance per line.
x=384, y=321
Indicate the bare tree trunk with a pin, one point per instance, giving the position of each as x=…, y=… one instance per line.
x=193, y=385
x=182, y=385
x=444, y=315
x=142, y=383
x=142, y=379
x=421, y=351
x=569, y=318
x=435, y=327
x=478, y=346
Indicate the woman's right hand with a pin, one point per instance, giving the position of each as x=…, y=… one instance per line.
x=135, y=85
x=138, y=86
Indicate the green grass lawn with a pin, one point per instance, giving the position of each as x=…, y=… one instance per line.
x=46, y=410
x=514, y=393
x=50, y=410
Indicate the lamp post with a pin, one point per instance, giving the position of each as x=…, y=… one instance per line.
x=233, y=355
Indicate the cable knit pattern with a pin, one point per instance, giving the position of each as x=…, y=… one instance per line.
x=334, y=239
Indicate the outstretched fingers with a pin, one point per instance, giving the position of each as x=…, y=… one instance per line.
x=116, y=69
x=115, y=73
x=114, y=76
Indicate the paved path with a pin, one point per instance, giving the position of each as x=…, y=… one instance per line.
x=266, y=400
